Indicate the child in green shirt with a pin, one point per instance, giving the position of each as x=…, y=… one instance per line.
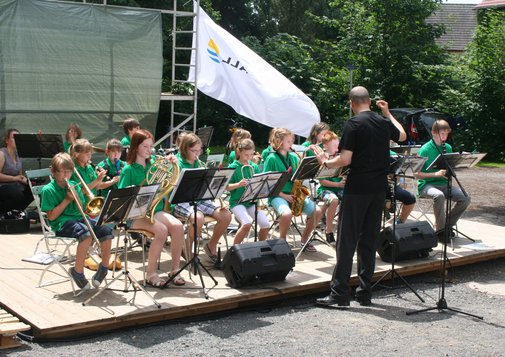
x=245, y=168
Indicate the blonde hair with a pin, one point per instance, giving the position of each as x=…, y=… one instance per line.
x=80, y=146
x=62, y=160
x=187, y=142
x=277, y=136
x=238, y=135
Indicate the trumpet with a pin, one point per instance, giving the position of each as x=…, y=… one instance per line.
x=243, y=171
x=78, y=202
x=95, y=204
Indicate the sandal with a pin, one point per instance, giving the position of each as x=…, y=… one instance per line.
x=177, y=281
x=155, y=281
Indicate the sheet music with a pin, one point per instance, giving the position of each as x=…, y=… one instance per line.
x=218, y=183
x=264, y=182
x=143, y=201
x=411, y=165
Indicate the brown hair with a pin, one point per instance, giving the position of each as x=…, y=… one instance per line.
x=114, y=144
x=137, y=138
x=7, y=135
x=76, y=129
x=277, y=136
x=316, y=130
x=80, y=146
x=187, y=142
x=62, y=160
x=245, y=144
x=440, y=125
x=129, y=124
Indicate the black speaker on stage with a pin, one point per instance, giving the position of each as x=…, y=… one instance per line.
x=258, y=262
x=412, y=240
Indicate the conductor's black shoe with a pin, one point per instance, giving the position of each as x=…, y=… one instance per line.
x=363, y=299
x=331, y=300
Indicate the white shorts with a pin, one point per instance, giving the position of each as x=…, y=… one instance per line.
x=246, y=216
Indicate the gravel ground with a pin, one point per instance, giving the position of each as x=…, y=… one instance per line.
x=296, y=327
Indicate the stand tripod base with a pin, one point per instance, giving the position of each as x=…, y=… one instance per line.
x=195, y=264
x=136, y=286
x=394, y=274
x=441, y=306
x=315, y=236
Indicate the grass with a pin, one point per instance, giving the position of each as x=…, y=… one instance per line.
x=491, y=164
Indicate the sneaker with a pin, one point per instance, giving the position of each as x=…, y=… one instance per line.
x=100, y=274
x=212, y=257
x=398, y=221
x=308, y=247
x=79, y=279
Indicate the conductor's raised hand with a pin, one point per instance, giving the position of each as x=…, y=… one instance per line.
x=383, y=106
x=319, y=152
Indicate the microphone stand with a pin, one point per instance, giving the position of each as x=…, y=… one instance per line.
x=442, y=302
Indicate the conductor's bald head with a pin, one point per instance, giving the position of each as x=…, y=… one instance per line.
x=359, y=95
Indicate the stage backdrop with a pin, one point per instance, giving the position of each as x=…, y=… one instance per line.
x=94, y=65
x=231, y=72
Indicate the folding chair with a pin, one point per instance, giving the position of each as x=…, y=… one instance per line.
x=57, y=247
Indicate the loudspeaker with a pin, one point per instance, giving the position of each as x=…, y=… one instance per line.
x=412, y=240
x=258, y=262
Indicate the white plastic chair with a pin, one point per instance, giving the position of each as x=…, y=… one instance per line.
x=56, y=246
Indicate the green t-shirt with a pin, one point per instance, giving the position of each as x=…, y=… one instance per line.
x=112, y=171
x=322, y=188
x=430, y=151
x=278, y=163
x=183, y=164
x=231, y=157
x=52, y=195
x=66, y=146
x=134, y=175
x=266, y=152
x=236, y=194
x=126, y=141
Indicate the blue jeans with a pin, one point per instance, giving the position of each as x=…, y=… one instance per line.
x=76, y=228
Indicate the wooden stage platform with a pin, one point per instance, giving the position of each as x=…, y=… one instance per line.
x=53, y=311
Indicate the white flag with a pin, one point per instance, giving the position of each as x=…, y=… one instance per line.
x=231, y=72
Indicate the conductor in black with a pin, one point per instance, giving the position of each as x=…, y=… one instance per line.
x=364, y=147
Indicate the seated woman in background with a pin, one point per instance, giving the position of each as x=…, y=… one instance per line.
x=73, y=133
x=15, y=194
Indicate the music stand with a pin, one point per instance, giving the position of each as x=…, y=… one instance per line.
x=205, y=134
x=120, y=206
x=307, y=170
x=38, y=145
x=195, y=185
x=448, y=162
x=395, y=168
x=260, y=186
x=406, y=149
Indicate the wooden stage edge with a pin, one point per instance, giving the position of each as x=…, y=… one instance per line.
x=310, y=276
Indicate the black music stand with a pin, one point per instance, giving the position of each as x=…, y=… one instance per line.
x=395, y=169
x=195, y=185
x=205, y=134
x=38, y=145
x=121, y=206
x=448, y=162
x=307, y=170
x=260, y=186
